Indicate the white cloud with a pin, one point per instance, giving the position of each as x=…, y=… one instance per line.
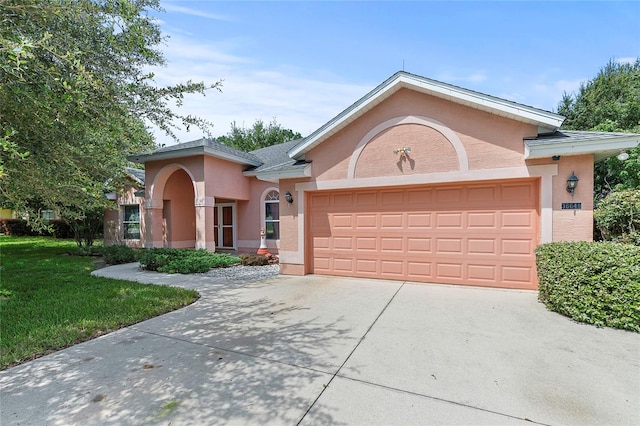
x=630, y=60
x=476, y=77
x=299, y=100
x=569, y=86
x=170, y=7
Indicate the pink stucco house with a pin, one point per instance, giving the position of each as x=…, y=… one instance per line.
x=418, y=180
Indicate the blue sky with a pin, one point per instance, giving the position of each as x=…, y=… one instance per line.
x=305, y=62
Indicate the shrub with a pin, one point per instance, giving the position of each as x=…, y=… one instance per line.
x=21, y=228
x=87, y=251
x=118, y=254
x=250, y=259
x=183, y=261
x=61, y=229
x=152, y=259
x=18, y=228
x=596, y=283
x=618, y=216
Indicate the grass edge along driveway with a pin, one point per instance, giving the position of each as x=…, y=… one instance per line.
x=49, y=300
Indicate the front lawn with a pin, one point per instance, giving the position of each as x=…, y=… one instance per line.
x=49, y=300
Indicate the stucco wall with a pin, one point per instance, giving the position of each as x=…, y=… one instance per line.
x=179, y=211
x=225, y=180
x=572, y=224
x=430, y=152
x=156, y=173
x=489, y=141
x=250, y=214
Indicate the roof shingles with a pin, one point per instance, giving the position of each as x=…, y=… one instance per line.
x=562, y=136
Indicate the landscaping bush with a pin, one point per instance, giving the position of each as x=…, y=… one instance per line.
x=21, y=228
x=118, y=254
x=593, y=282
x=618, y=216
x=183, y=261
x=86, y=251
x=250, y=259
x=18, y=228
x=61, y=229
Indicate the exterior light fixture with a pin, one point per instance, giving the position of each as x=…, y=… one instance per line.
x=572, y=182
x=288, y=197
x=402, y=151
x=623, y=156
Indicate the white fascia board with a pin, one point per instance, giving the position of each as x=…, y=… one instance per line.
x=231, y=157
x=488, y=103
x=190, y=152
x=338, y=123
x=583, y=147
x=275, y=176
x=545, y=120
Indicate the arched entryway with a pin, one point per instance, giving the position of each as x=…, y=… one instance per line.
x=178, y=211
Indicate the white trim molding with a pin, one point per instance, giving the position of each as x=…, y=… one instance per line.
x=205, y=201
x=546, y=174
x=601, y=147
x=156, y=189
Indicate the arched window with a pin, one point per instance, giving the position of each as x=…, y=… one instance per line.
x=272, y=215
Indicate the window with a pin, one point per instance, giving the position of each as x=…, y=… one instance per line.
x=131, y=222
x=272, y=215
x=47, y=215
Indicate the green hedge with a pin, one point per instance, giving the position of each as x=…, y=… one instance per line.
x=118, y=254
x=21, y=228
x=183, y=261
x=593, y=282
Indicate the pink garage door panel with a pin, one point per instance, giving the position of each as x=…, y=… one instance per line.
x=476, y=234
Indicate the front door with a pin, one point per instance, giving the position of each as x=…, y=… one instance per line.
x=224, y=225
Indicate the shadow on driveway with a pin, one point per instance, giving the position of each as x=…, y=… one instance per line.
x=327, y=350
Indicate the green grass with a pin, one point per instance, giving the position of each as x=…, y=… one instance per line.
x=49, y=300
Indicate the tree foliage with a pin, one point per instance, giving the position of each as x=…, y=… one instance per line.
x=75, y=99
x=257, y=136
x=618, y=216
x=610, y=102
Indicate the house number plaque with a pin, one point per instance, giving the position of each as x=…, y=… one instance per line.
x=571, y=206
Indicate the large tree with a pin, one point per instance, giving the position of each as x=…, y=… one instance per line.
x=610, y=102
x=258, y=135
x=76, y=98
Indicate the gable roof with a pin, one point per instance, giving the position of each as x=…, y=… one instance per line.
x=278, y=164
x=547, y=122
x=135, y=174
x=576, y=142
x=204, y=146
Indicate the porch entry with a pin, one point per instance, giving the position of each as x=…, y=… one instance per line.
x=224, y=225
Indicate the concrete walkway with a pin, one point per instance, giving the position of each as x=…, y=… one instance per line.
x=320, y=350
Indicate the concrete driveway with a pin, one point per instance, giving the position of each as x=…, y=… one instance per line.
x=319, y=350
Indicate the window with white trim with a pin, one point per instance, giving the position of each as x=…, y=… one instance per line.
x=131, y=222
x=272, y=215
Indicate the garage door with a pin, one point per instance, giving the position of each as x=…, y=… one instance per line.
x=475, y=234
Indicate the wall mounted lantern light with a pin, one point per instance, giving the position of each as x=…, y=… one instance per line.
x=288, y=197
x=572, y=182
